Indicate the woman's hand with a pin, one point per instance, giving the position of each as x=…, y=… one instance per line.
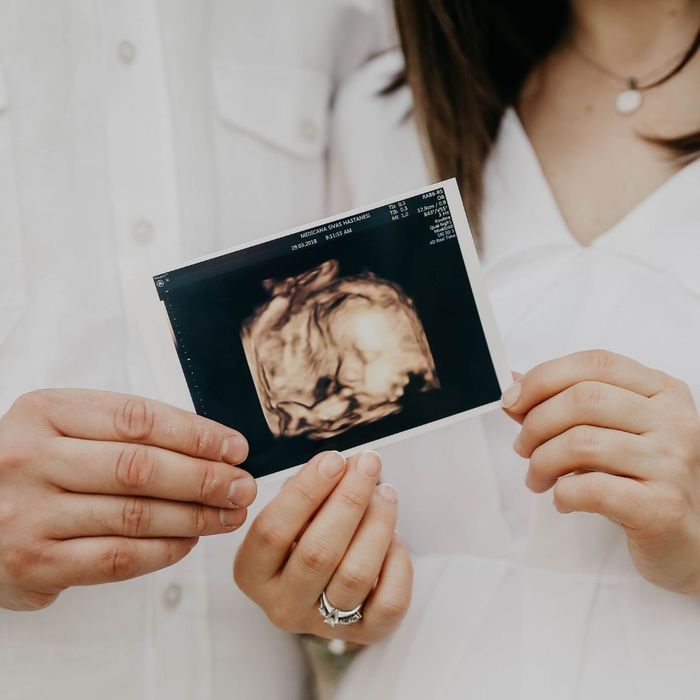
x=98, y=487
x=627, y=439
x=330, y=528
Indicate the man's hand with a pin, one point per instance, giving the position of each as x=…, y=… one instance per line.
x=98, y=487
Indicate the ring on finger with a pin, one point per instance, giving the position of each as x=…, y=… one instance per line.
x=332, y=616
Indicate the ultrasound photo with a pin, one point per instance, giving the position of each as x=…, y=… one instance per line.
x=328, y=353
x=345, y=334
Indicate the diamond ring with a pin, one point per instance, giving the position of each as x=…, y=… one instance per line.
x=332, y=616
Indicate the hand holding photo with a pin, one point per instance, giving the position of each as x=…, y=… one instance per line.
x=342, y=335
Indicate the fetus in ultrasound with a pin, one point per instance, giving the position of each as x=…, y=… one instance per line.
x=328, y=353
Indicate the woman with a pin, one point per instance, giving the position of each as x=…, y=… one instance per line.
x=573, y=130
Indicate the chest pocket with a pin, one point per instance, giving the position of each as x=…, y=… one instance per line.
x=12, y=273
x=270, y=145
x=285, y=107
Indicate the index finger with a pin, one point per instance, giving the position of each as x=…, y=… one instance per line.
x=278, y=526
x=105, y=415
x=553, y=377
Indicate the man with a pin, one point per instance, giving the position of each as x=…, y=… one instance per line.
x=134, y=134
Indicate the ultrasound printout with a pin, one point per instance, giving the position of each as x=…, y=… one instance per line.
x=336, y=336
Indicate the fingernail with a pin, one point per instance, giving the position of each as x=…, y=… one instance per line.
x=234, y=449
x=511, y=395
x=231, y=518
x=370, y=464
x=241, y=492
x=332, y=464
x=387, y=492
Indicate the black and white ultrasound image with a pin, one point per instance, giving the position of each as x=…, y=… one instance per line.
x=333, y=337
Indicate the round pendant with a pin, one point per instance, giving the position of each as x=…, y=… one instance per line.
x=628, y=101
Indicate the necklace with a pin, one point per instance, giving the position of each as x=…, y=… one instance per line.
x=630, y=98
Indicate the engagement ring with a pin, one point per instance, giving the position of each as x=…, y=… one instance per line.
x=332, y=616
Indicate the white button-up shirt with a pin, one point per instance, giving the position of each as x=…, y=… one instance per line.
x=133, y=134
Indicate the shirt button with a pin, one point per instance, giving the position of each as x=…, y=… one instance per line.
x=308, y=130
x=172, y=596
x=142, y=232
x=337, y=647
x=126, y=52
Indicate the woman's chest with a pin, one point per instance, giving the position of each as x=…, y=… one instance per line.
x=601, y=164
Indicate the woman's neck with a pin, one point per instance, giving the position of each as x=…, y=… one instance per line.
x=633, y=37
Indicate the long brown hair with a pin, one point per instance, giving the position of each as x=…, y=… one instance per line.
x=466, y=61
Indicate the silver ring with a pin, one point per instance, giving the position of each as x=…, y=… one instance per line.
x=332, y=616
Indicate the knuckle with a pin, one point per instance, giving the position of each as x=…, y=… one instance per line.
x=199, y=520
x=135, y=517
x=600, y=362
x=680, y=385
x=12, y=456
x=303, y=492
x=240, y=573
x=583, y=441
x=687, y=396
x=316, y=556
x=667, y=449
x=390, y=610
x=281, y=616
x=275, y=612
x=9, y=514
x=351, y=500
x=120, y=562
x=176, y=549
x=201, y=438
x=559, y=496
x=595, y=492
x=529, y=426
x=266, y=531
x=672, y=383
x=587, y=395
x=354, y=579
x=134, y=419
x=209, y=483
x=538, y=467
x=275, y=615
x=32, y=401
x=134, y=467
x=244, y=576
x=18, y=562
x=531, y=419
